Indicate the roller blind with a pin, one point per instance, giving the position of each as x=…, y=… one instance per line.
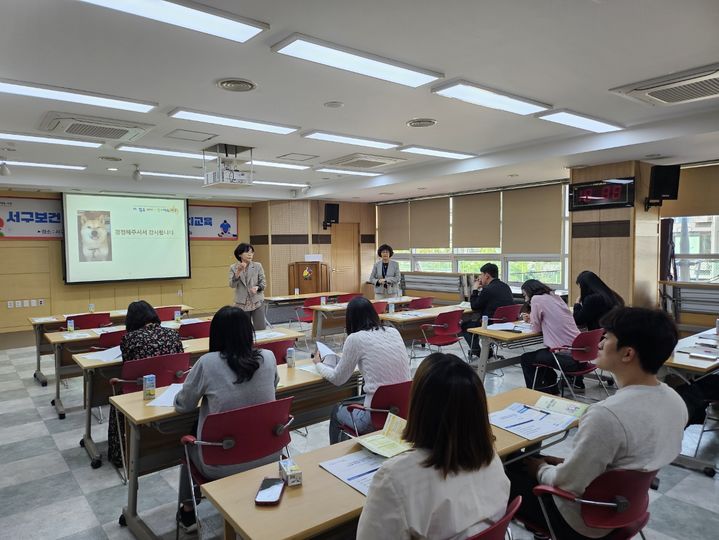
x=532, y=220
x=698, y=194
x=393, y=225
x=475, y=220
x=429, y=223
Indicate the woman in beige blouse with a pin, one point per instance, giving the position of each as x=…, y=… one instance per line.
x=248, y=279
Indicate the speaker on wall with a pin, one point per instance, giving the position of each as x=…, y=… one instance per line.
x=332, y=214
x=663, y=185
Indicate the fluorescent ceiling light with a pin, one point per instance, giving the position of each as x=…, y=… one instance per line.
x=571, y=119
x=487, y=97
x=206, y=20
x=353, y=173
x=277, y=164
x=329, y=54
x=73, y=96
x=240, y=123
x=699, y=164
x=434, y=152
x=46, y=165
x=620, y=181
x=172, y=175
x=161, y=152
x=347, y=139
x=48, y=140
x=285, y=184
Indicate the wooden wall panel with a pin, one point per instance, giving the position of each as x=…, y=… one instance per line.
x=260, y=218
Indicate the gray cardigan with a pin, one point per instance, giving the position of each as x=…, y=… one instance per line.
x=393, y=278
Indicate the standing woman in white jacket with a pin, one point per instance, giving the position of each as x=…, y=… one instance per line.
x=385, y=274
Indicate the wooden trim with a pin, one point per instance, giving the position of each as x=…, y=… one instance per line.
x=290, y=239
x=602, y=229
x=322, y=239
x=367, y=239
x=260, y=240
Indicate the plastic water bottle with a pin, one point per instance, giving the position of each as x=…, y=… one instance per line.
x=290, y=357
x=485, y=321
x=297, y=291
x=70, y=325
x=391, y=307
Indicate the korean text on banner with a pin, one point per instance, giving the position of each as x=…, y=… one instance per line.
x=22, y=218
x=212, y=223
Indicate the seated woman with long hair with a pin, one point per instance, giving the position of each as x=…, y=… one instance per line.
x=379, y=353
x=595, y=300
x=452, y=484
x=232, y=375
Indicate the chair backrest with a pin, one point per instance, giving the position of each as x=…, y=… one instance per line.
x=629, y=487
x=344, y=298
x=499, y=529
x=312, y=301
x=167, y=313
x=392, y=397
x=249, y=433
x=507, y=313
x=420, y=303
x=380, y=307
x=450, y=320
x=165, y=368
x=90, y=320
x=111, y=339
x=279, y=349
x=195, y=330
x=585, y=346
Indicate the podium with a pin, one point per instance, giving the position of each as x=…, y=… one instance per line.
x=308, y=277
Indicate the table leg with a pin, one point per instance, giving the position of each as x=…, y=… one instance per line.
x=229, y=531
x=39, y=329
x=129, y=515
x=483, y=357
x=57, y=402
x=317, y=324
x=86, y=442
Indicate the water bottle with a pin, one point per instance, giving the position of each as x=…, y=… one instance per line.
x=485, y=321
x=297, y=291
x=391, y=307
x=70, y=325
x=290, y=357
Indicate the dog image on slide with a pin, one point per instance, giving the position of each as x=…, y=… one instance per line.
x=93, y=230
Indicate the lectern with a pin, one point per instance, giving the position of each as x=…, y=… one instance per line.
x=308, y=277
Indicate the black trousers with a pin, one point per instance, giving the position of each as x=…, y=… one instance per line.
x=469, y=338
x=546, y=378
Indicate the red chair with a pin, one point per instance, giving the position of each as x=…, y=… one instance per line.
x=616, y=499
x=238, y=436
x=195, y=330
x=380, y=307
x=446, y=330
x=344, y=298
x=167, y=369
x=388, y=398
x=498, y=531
x=420, y=303
x=506, y=313
x=279, y=349
x=90, y=320
x=167, y=313
x=108, y=340
x=584, y=349
x=304, y=314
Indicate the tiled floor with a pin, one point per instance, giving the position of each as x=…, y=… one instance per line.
x=49, y=490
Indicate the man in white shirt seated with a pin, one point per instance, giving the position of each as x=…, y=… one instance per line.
x=639, y=428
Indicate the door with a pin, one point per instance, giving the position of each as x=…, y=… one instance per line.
x=344, y=274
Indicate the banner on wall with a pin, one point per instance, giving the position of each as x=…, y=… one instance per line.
x=23, y=218
x=212, y=222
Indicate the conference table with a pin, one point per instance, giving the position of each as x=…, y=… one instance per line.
x=97, y=374
x=154, y=433
x=41, y=325
x=688, y=367
x=408, y=322
x=296, y=298
x=502, y=338
x=324, y=506
x=329, y=318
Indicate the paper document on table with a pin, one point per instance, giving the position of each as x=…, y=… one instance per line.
x=107, y=329
x=524, y=327
x=76, y=335
x=705, y=353
x=561, y=406
x=190, y=321
x=408, y=314
x=501, y=326
x=388, y=442
x=356, y=469
x=43, y=319
x=465, y=305
x=107, y=355
x=167, y=398
x=268, y=334
x=529, y=422
x=309, y=368
x=329, y=357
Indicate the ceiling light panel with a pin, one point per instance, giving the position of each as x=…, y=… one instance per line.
x=283, y=184
x=206, y=20
x=46, y=165
x=487, y=97
x=172, y=175
x=73, y=96
x=579, y=121
x=195, y=116
x=353, y=173
x=48, y=140
x=349, y=139
x=161, y=152
x=329, y=54
x=257, y=163
x=435, y=152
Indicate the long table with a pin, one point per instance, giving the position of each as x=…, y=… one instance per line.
x=97, y=375
x=154, y=432
x=408, y=322
x=324, y=506
x=691, y=368
x=295, y=298
x=41, y=325
x=329, y=319
x=502, y=338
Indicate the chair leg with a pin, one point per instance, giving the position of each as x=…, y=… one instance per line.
x=466, y=357
x=100, y=417
x=546, y=519
x=534, y=380
x=192, y=490
x=564, y=376
x=701, y=434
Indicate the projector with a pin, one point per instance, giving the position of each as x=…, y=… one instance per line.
x=223, y=166
x=225, y=175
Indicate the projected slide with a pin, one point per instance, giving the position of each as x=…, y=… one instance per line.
x=111, y=238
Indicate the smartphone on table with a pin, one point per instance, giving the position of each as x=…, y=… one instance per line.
x=270, y=492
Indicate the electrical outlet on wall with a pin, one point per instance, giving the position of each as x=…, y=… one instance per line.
x=179, y=293
x=10, y=304
x=41, y=302
x=18, y=303
x=26, y=303
x=33, y=303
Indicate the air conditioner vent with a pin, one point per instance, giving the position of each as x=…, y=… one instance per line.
x=95, y=127
x=364, y=161
x=684, y=87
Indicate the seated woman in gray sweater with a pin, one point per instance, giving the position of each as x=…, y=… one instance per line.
x=232, y=375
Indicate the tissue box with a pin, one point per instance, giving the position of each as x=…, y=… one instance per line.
x=290, y=472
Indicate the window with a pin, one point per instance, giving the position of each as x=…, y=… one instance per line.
x=696, y=247
x=433, y=265
x=546, y=271
x=405, y=265
x=472, y=266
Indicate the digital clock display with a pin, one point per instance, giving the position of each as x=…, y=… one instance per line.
x=612, y=193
